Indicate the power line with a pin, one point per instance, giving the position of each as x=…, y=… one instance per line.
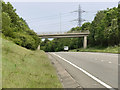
x=60, y=22
x=80, y=11
x=46, y=24
x=46, y=20
x=51, y=16
x=60, y=17
x=79, y=16
x=32, y=20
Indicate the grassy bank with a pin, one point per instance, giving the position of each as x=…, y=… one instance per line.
x=114, y=49
x=24, y=68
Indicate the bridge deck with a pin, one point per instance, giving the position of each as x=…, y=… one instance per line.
x=64, y=35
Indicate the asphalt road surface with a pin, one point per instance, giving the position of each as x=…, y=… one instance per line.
x=90, y=70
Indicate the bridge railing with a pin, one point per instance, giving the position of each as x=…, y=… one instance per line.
x=87, y=31
x=44, y=33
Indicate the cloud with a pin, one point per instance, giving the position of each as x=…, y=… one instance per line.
x=61, y=0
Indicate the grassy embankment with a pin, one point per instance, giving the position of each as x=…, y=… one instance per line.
x=24, y=68
x=114, y=49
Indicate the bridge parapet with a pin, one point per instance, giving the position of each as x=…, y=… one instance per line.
x=52, y=33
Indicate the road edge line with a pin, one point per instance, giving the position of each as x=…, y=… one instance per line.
x=62, y=74
x=88, y=74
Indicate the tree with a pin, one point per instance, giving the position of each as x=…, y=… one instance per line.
x=6, y=22
x=16, y=29
x=118, y=15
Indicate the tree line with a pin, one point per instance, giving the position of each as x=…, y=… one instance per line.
x=104, y=32
x=16, y=29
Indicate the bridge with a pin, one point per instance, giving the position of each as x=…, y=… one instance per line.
x=67, y=35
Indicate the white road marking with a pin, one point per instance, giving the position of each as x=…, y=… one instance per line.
x=109, y=62
x=95, y=84
x=90, y=75
x=102, y=60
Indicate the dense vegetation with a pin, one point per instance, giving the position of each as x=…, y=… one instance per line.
x=104, y=32
x=16, y=29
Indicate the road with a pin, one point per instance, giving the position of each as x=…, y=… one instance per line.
x=90, y=70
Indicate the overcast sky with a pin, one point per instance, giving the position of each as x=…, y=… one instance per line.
x=45, y=16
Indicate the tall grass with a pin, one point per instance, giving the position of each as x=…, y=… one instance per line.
x=24, y=68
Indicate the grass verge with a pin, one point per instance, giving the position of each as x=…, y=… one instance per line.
x=22, y=68
x=114, y=49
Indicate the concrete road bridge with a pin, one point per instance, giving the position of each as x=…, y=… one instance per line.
x=67, y=35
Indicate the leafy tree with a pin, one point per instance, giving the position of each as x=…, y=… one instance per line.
x=16, y=29
x=118, y=16
x=6, y=21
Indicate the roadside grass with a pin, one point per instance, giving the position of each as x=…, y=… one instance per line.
x=114, y=49
x=22, y=68
x=0, y=62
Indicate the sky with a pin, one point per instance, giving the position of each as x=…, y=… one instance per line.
x=61, y=0
x=47, y=17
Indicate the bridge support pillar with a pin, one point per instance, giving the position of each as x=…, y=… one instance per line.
x=38, y=47
x=85, y=42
